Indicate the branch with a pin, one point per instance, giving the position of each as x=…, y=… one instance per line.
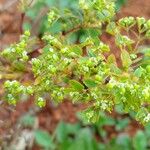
x=72, y=30
x=21, y=23
x=23, y=14
x=81, y=26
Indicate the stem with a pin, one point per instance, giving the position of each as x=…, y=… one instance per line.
x=22, y=18
x=84, y=51
x=137, y=60
x=128, y=32
x=84, y=26
x=72, y=30
x=21, y=23
x=137, y=44
x=135, y=34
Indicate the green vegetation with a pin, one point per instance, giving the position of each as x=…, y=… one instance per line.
x=73, y=65
x=83, y=135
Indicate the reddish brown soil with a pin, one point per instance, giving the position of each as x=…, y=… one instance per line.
x=50, y=116
x=136, y=8
x=9, y=24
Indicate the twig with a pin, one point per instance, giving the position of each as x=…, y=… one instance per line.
x=23, y=14
x=80, y=26
x=21, y=23
x=72, y=30
x=137, y=60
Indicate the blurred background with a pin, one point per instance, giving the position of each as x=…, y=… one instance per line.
x=26, y=127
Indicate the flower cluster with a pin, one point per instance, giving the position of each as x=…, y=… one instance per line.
x=52, y=17
x=18, y=52
x=14, y=89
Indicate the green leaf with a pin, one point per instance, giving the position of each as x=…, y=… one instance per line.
x=28, y=120
x=76, y=85
x=27, y=26
x=111, y=28
x=147, y=34
x=91, y=54
x=105, y=120
x=121, y=124
x=90, y=83
x=43, y=139
x=94, y=33
x=56, y=27
x=138, y=72
x=124, y=141
x=84, y=141
x=111, y=59
x=77, y=50
x=120, y=3
x=126, y=60
x=139, y=141
x=115, y=69
x=104, y=15
x=61, y=132
x=46, y=49
x=64, y=129
x=122, y=40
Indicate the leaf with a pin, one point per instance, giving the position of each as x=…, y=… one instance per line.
x=77, y=50
x=76, y=85
x=28, y=120
x=104, y=15
x=37, y=80
x=124, y=141
x=105, y=120
x=46, y=49
x=63, y=130
x=72, y=38
x=138, y=72
x=122, y=124
x=90, y=83
x=115, y=69
x=111, y=28
x=111, y=59
x=27, y=26
x=61, y=133
x=122, y=40
x=84, y=141
x=139, y=141
x=91, y=54
x=55, y=27
x=126, y=60
x=94, y=33
x=120, y=3
x=66, y=79
x=43, y=139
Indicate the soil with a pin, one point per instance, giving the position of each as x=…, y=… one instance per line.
x=50, y=115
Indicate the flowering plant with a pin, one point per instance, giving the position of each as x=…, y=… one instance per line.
x=75, y=67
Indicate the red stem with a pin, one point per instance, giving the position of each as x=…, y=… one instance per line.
x=21, y=23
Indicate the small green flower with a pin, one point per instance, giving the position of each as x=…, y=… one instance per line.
x=41, y=102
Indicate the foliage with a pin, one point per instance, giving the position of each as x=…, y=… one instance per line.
x=120, y=3
x=79, y=70
x=93, y=136
x=44, y=139
x=40, y=7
